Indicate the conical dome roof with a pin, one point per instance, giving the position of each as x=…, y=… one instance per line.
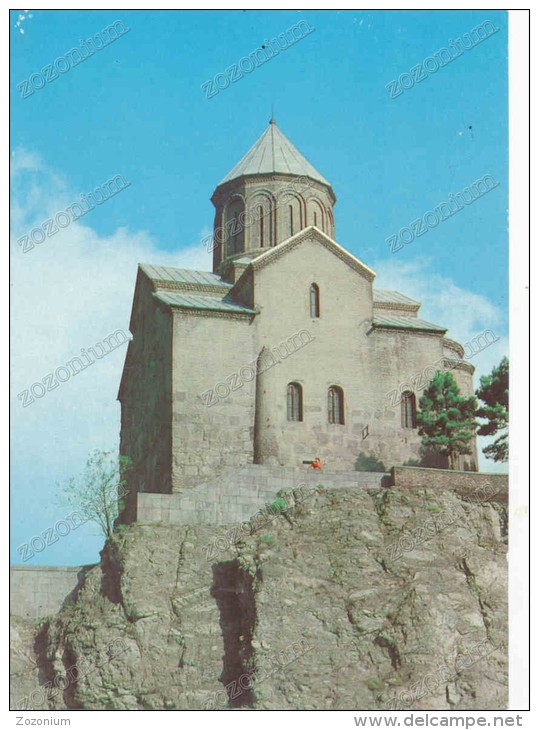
x=273, y=152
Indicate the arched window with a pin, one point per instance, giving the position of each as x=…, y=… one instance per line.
x=335, y=405
x=294, y=402
x=408, y=409
x=292, y=214
x=315, y=213
x=314, y=294
x=330, y=223
x=261, y=223
x=234, y=226
x=235, y=234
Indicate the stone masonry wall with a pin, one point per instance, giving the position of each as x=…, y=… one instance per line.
x=37, y=591
x=146, y=397
x=213, y=405
x=468, y=483
x=333, y=357
x=390, y=361
x=237, y=495
x=372, y=366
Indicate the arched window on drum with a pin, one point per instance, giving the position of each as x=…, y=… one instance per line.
x=263, y=208
x=293, y=215
x=315, y=215
x=235, y=226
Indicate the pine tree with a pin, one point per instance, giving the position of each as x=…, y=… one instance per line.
x=494, y=392
x=446, y=419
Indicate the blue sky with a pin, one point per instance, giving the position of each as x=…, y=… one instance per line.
x=136, y=108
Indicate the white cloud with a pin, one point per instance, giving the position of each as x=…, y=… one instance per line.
x=68, y=293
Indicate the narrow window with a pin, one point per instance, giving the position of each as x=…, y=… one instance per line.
x=330, y=225
x=235, y=234
x=235, y=239
x=261, y=218
x=291, y=210
x=315, y=301
x=336, y=405
x=315, y=223
x=294, y=402
x=408, y=410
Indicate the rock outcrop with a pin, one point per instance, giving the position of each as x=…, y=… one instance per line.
x=351, y=599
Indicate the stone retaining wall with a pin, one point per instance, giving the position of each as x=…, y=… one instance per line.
x=41, y=590
x=464, y=483
x=240, y=493
x=234, y=497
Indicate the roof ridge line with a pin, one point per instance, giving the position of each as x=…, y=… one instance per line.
x=274, y=150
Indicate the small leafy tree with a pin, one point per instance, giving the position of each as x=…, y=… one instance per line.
x=98, y=491
x=494, y=392
x=445, y=419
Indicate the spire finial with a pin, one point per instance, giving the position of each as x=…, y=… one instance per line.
x=272, y=120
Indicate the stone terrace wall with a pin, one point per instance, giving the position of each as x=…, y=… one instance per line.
x=37, y=591
x=465, y=483
x=240, y=493
x=41, y=590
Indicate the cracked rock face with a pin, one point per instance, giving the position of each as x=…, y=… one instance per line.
x=24, y=670
x=360, y=600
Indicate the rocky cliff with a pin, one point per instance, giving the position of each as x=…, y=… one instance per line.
x=350, y=599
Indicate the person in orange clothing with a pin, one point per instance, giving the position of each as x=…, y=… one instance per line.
x=316, y=464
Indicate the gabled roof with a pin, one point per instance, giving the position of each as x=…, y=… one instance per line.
x=197, y=301
x=273, y=152
x=390, y=296
x=183, y=289
x=393, y=302
x=312, y=232
x=183, y=277
x=390, y=321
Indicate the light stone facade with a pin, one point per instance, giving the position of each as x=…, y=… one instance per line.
x=204, y=389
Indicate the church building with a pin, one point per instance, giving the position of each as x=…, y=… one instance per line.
x=285, y=351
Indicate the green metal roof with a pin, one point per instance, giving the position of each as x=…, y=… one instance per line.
x=198, y=301
x=183, y=276
x=406, y=323
x=390, y=296
x=273, y=152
